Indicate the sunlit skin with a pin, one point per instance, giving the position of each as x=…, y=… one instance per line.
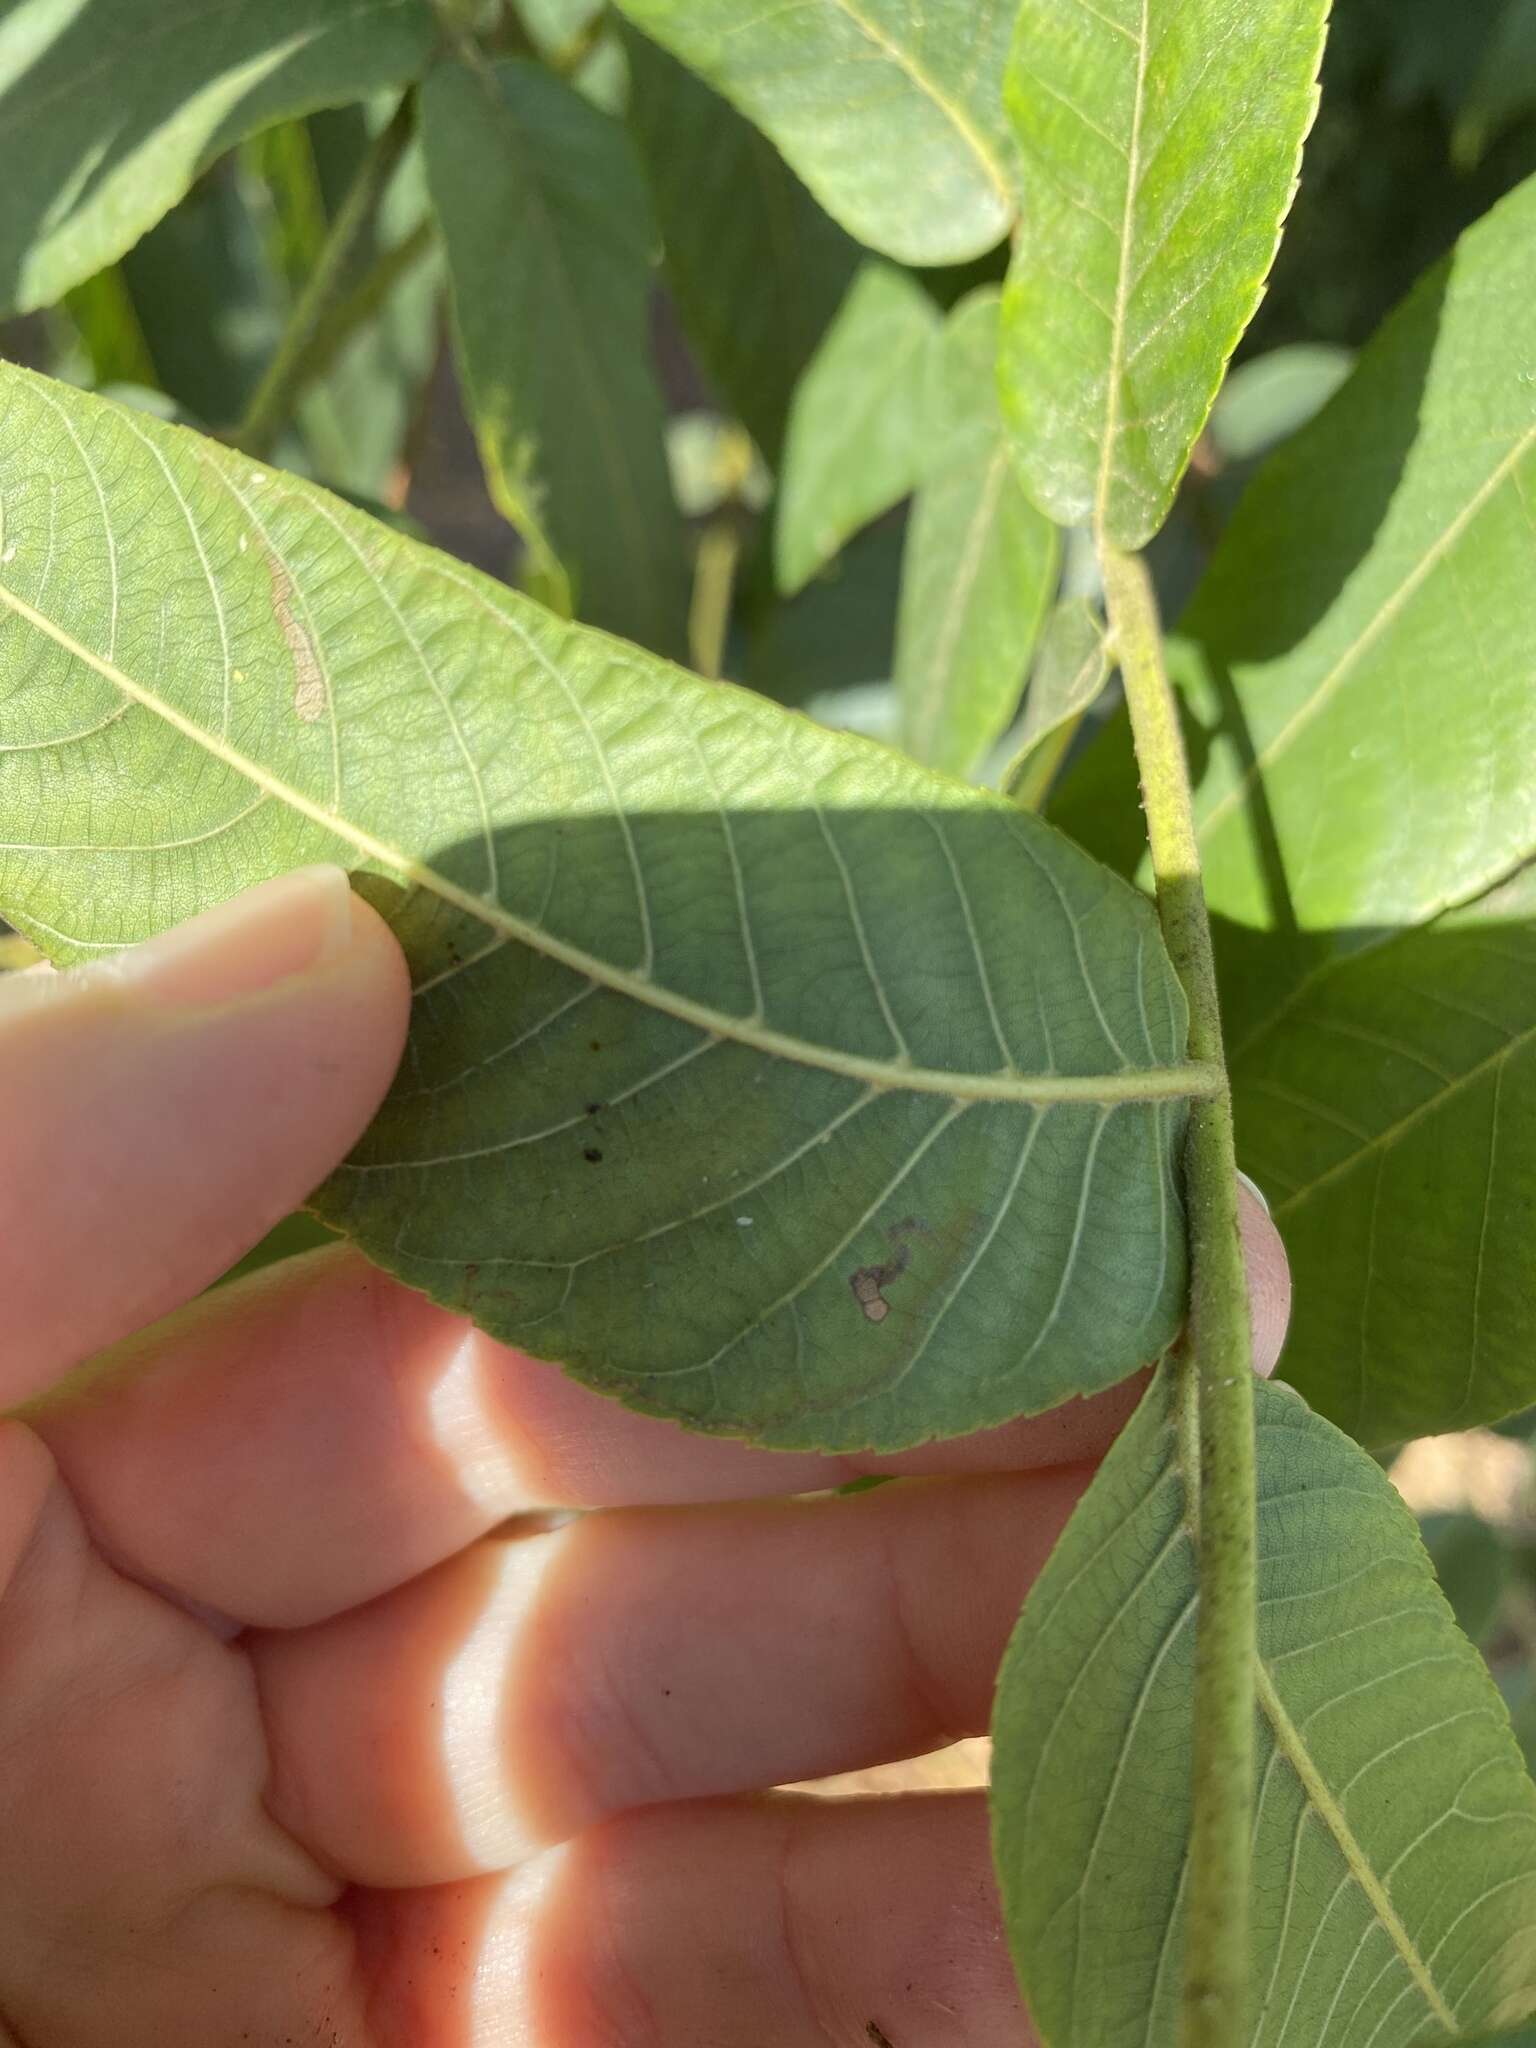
x=316, y=1726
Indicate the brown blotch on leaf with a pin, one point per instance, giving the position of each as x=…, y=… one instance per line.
x=877, y=2034
x=309, y=691
x=869, y=1282
x=592, y=1156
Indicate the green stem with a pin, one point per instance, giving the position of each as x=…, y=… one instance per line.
x=274, y=397
x=346, y=315
x=1217, y=1349
x=714, y=579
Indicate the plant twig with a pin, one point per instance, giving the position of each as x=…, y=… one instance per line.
x=714, y=579
x=286, y=374
x=1217, y=1349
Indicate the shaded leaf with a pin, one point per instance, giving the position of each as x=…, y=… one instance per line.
x=1071, y=668
x=1472, y=1563
x=756, y=267
x=109, y=108
x=1387, y=1105
x=680, y=1107
x=892, y=115
x=980, y=564
x=1395, y=1827
x=840, y=631
x=549, y=243
x=855, y=441
x=1160, y=141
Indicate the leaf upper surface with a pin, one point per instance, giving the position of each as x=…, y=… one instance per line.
x=109, y=109
x=891, y=114
x=1160, y=141
x=1394, y=1842
x=865, y=1086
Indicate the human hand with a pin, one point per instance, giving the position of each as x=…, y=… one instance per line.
x=314, y=1728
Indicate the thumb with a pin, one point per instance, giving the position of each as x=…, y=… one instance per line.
x=162, y=1109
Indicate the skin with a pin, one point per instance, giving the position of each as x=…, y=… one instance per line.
x=322, y=1722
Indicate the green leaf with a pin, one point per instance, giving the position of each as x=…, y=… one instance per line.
x=1386, y=1097
x=855, y=442
x=1472, y=1563
x=1071, y=668
x=892, y=115
x=1387, y=1105
x=1362, y=729
x=756, y=267
x=108, y=113
x=980, y=565
x=1395, y=1827
x=1160, y=143
x=1403, y=518
x=766, y=1079
x=1271, y=396
x=549, y=242
x=1520, y=2037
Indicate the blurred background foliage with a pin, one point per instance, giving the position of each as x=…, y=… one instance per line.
x=1428, y=115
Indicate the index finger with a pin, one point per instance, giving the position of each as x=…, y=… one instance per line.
x=316, y=1435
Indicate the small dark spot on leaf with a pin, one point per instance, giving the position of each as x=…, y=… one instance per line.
x=592, y=1156
x=596, y=1044
x=877, y=2034
x=594, y=1108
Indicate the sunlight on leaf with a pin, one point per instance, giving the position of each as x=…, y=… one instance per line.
x=109, y=108
x=892, y=115
x=1160, y=143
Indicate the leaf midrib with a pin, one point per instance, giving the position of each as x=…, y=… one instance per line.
x=1322, y=1802
x=968, y=132
x=1122, y=286
x=1129, y=1084
x=1184, y=1430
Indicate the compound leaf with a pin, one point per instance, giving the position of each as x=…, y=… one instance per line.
x=1160, y=141
x=109, y=109
x=892, y=115
x=765, y=1079
x=1394, y=1886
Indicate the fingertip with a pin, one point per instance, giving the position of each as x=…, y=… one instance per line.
x=1269, y=1276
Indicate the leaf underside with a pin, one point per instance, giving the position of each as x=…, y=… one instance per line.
x=980, y=564
x=766, y=1079
x=1394, y=1889
x=1160, y=141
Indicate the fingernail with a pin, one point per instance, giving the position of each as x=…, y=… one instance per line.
x=1254, y=1189
x=290, y=925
